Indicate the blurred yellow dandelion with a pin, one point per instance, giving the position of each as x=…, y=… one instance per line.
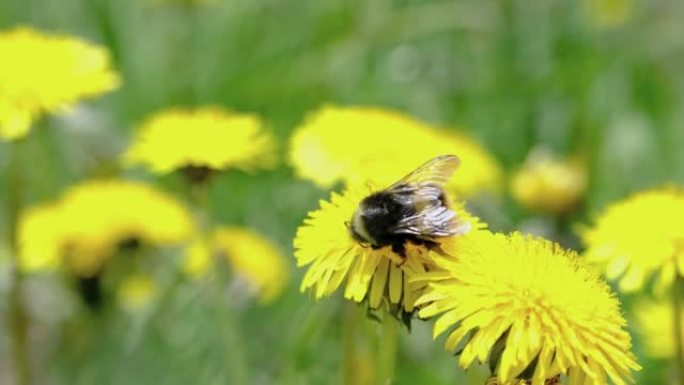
x=357, y=144
x=40, y=238
x=639, y=237
x=325, y=245
x=528, y=307
x=655, y=326
x=89, y=222
x=136, y=292
x=209, y=138
x=198, y=256
x=255, y=259
x=549, y=185
x=46, y=73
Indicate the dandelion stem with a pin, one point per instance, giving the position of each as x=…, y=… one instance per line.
x=679, y=337
x=349, y=331
x=18, y=320
x=229, y=329
x=228, y=326
x=372, y=362
x=387, y=351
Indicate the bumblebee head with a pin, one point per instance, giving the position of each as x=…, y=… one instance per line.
x=357, y=228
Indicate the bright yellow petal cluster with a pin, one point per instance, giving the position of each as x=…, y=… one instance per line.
x=45, y=73
x=655, y=325
x=528, y=307
x=90, y=221
x=254, y=258
x=358, y=144
x=324, y=244
x=639, y=237
x=548, y=185
x=207, y=137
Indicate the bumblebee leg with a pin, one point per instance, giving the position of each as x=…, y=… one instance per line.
x=399, y=249
x=432, y=245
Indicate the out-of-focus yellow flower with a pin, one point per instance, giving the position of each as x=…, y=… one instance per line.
x=255, y=259
x=609, y=13
x=198, y=257
x=136, y=291
x=638, y=237
x=324, y=244
x=208, y=137
x=655, y=325
x=528, y=307
x=548, y=185
x=358, y=144
x=45, y=73
x=40, y=238
x=89, y=222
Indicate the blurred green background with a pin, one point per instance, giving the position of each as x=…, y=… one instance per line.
x=599, y=78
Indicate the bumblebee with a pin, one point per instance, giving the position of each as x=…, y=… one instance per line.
x=413, y=210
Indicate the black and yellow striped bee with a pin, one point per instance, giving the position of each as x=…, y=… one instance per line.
x=414, y=209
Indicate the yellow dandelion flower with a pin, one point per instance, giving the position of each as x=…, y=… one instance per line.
x=92, y=219
x=528, y=307
x=208, y=137
x=255, y=259
x=655, y=326
x=549, y=185
x=46, y=73
x=639, y=237
x=479, y=170
x=136, y=292
x=198, y=257
x=39, y=237
x=357, y=144
x=324, y=244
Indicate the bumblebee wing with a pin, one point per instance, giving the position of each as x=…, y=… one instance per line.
x=434, y=220
x=431, y=218
x=436, y=172
x=422, y=190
